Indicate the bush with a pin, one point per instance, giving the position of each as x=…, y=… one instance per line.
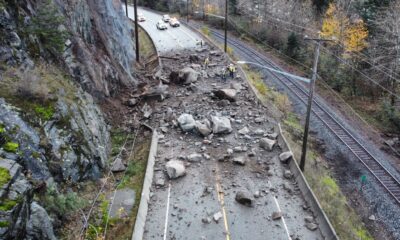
x=61, y=204
x=11, y=147
x=292, y=46
x=45, y=113
x=390, y=114
x=205, y=30
x=46, y=25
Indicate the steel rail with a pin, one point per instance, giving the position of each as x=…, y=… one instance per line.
x=384, y=177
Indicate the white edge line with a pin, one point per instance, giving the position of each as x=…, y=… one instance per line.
x=167, y=212
x=283, y=219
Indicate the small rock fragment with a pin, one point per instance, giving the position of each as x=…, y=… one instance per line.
x=311, y=226
x=267, y=143
x=175, y=169
x=276, y=215
x=240, y=160
x=217, y=216
x=243, y=198
x=285, y=157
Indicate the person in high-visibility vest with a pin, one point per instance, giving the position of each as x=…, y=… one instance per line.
x=206, y=62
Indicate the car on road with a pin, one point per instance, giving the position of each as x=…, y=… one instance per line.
x=141, y=17
x=161, y=25
x=174, y=22
x=166, y=18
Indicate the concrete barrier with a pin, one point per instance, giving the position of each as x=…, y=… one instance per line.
x=141, y=216
x=324, y=224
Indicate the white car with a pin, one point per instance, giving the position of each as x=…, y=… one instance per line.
x=166, y=18
x=161, y=25
x=141, y=17
x=174, y=22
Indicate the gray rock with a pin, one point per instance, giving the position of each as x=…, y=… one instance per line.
x=311, y=226
x=243, y=198
x=372, y=218
x=195, y=157
x=146, y=110
x=287, y=174
x=186, y=76
x=236, y=86
x=272, y=135
x=229, y=151
x=240, y=160
x=259, y=120
x=186, y=122
x=221, y=125
x=244, y=131
x=309, y=219
x=14, y=40
x=175, y=169
x=259, y=132
x=285, y=157
x=132, y=102
x=257, y=194
x=204, y=127
x=229, y=94
x=118, y=165
x=267, y=144
x=159, y=179
x=217, y=216
x=39, y=224
x=276, y=215
x=206, y=220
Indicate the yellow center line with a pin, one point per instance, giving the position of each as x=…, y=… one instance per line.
x=220, y=195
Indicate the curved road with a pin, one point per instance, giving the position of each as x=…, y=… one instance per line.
x=166, y=40
x=177, y=210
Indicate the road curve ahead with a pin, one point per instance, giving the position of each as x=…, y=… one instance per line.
x=166, y=40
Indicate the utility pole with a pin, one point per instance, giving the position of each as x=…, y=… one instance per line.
x=310, y=99
x=126, y=7
x=226, y=26
x=187, y=11
x=136, y=30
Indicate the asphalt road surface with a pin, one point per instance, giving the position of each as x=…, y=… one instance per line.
x=166, y=40
x=185, y=208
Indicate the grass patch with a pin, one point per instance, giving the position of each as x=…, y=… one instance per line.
x=6, y=205
x=44, y=112
x=146, y=46
x=205, y=30
x=344, y=219
x=5, y=176
x=11, y=147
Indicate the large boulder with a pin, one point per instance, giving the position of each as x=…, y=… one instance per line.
x=285, y=157
x=229, y=94
x=267, y=144
x=204, y=127
x=185, y=76
x=221, y=125
x=244, y=198
x=186, y=122
x=175, y=169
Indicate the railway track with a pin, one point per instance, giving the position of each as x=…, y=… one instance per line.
x=383, y=176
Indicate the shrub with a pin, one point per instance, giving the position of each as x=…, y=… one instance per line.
x=292, y=46
x=4, y=224
x=61, y=204
x=5, y=176
x=390, y=114
x=11, y=147
x=7, y=205
x=46, y=25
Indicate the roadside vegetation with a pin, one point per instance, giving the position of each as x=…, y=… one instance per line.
x=344, y=219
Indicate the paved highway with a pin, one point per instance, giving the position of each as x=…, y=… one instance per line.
x=166, y=40
x=185, y=208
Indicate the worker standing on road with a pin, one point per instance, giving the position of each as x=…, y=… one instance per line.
x=231, y=70
x=223, y=74
x=206, y=62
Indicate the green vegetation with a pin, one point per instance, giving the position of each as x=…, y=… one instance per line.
x=61, y=204
x=4, y=224
x=6, y=205
x=5, y=176
x=11, y=147
x=46, y=26
x=205, y=30
x=44, y=112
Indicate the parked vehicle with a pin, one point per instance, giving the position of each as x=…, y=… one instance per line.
x=166, y=18
x=161, y=25
x=174, y=22
x=141, y=17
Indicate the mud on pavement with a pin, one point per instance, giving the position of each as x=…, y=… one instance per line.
x=219, y=172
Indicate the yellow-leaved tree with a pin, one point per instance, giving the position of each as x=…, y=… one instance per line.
x=351, y=34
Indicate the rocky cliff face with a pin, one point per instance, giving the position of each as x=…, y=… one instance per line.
x=57, y=58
